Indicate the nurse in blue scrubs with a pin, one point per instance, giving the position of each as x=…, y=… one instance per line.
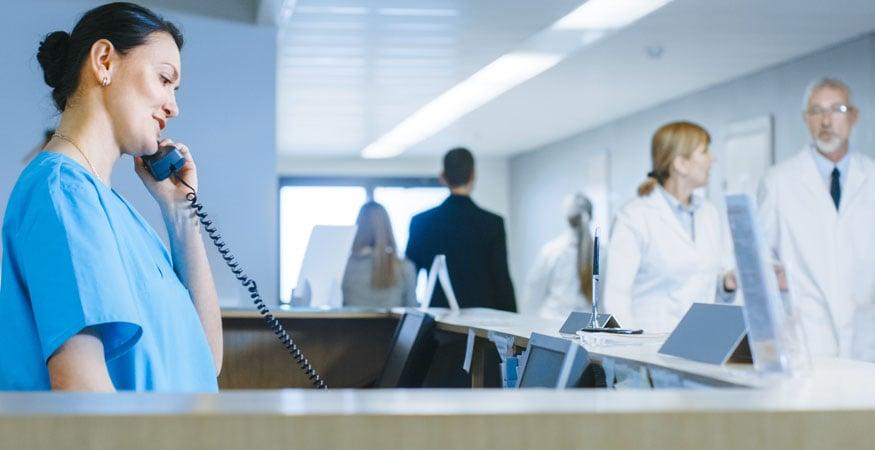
x=91, y=299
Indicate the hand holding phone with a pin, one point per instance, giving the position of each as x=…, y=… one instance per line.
x=164, y=162
x=169, y=174
x=170, y=160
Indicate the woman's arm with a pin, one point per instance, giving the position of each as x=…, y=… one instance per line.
x=193, y=269
x=79, y=365
x=187, y=246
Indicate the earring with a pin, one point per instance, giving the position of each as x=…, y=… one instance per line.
x=104, y=82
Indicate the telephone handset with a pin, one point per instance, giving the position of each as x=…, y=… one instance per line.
x=166, y=162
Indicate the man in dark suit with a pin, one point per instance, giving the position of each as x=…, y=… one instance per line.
x=472, y=239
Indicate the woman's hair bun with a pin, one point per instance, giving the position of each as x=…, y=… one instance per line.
x=52, y=56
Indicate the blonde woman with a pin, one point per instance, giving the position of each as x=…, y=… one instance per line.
x=375, y=276
x=561, y=279
x=669, y=247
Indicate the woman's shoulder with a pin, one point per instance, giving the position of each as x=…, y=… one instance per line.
x=52, y=171
x=358, y=262
x=638, y=205
x=49, y=180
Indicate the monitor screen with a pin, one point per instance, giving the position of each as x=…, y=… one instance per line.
x=542, y=368
x=409, y=354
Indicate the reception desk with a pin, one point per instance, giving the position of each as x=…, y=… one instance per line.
x=732, y=407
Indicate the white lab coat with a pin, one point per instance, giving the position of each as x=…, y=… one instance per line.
x=829, y=255
x=655, y=271
x=553, y=285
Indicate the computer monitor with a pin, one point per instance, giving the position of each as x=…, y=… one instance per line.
x=411, y=352
x=548, y=358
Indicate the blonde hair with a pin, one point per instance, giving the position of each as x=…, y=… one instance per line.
x=584, y=259
x=670, y=141
x=375, y=231
x=576, y=205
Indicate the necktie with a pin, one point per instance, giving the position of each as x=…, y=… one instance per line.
x=835, y=187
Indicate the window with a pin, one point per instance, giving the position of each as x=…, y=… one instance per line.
x=404, y=203
x=308, y=201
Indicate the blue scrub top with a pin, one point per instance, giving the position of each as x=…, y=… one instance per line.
x=75, y=255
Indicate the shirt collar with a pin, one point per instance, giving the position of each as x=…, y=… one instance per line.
x=825, y=166
x=677, y=206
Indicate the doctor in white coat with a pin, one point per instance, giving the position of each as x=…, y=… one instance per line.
x=669, y=247
x=818, y=213
x=561, y=280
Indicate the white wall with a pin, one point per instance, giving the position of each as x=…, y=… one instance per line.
x=540, y=176
x=227, y=104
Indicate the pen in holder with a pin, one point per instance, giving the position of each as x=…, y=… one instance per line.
x=601, y=323
x=593, y=322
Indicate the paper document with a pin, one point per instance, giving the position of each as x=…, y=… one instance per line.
x=324, y=263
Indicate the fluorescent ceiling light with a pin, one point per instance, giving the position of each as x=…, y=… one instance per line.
x=607, y=14
x=488, y=83
x=587, y=24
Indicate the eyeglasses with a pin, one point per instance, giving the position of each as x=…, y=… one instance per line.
x=817, y=111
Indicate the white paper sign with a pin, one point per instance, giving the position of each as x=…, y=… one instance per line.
x=439, y=272
x=469, y=350
x=324, y=263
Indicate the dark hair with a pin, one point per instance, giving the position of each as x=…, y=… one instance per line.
x=125, y=25
x=458, y=166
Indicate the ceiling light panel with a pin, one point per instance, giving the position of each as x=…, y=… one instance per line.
x=581, y=27
x=395, y=56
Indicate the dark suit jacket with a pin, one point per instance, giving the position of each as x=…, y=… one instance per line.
x=473, y=240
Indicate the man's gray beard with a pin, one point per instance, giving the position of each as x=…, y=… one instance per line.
x=828, y=147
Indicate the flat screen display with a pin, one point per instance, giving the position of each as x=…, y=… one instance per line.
x=410, y=326
x=542, y=368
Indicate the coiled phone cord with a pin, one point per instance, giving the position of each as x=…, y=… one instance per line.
x=250, y=285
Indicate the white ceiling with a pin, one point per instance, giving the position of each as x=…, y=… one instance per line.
x=350, y=70
x=348, y=73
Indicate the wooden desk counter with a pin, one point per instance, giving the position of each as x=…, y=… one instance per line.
x=832, y=409
x=333, y=340
x=379, y=323
x=643, y=350
x=311, y=313
x=813, y=417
